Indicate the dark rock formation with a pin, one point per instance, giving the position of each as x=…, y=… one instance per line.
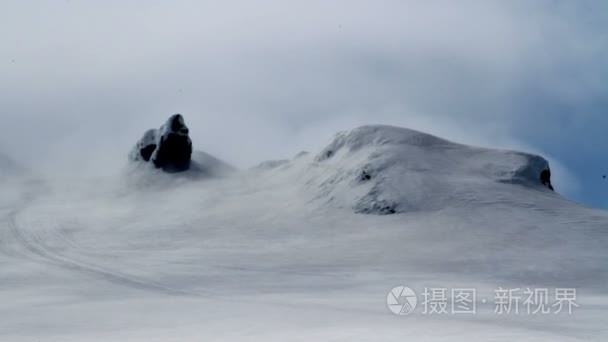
x=174, y=147
x=145, y=146
x=168, y=148
x=545, y=178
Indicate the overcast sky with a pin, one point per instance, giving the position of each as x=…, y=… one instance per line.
x=257, y=80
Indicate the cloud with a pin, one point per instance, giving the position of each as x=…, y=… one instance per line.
x=265, y=79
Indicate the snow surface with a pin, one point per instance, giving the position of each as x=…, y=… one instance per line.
x=285, y=252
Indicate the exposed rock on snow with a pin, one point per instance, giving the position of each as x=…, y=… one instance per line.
x=386, y=170
x=168, y=148
x=545, y=178
x=173, y=146
x=145, y=146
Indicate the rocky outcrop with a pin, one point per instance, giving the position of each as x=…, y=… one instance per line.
x=545, y=179
x=168, y=148
x=145, y=146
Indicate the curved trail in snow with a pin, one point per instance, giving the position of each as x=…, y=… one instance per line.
x=34, y=248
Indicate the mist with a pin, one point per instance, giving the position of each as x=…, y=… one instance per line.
x=255, y=81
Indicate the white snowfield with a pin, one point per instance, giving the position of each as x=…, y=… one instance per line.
x=300, y=250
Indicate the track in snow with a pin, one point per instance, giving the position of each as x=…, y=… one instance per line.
x=35, y=247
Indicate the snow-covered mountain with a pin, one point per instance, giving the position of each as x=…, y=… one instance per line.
x=302, y=249
x=387, y=170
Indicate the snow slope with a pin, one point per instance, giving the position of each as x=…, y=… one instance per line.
x=387, y=170
x=302, y=249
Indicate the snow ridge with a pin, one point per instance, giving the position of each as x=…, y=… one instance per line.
x=386, y=170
